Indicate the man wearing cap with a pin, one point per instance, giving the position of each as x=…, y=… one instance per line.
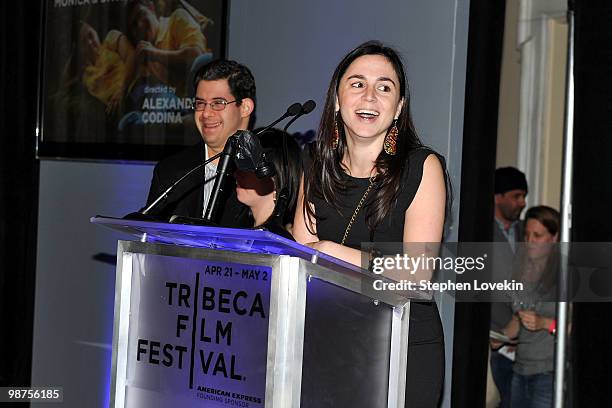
x=510, y=192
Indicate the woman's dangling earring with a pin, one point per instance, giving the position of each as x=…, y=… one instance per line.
x=336, y=137
x=390, y=143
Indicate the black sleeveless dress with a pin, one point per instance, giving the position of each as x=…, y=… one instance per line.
x=425, y=374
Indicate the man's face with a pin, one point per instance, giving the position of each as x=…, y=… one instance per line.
x=217, y=126
x=510, y=204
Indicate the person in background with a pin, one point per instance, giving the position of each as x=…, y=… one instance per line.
x=533, y=323
x=262, y=195
x=510, y=193
x=224, y=103
x=165, y=47
x=100, y=66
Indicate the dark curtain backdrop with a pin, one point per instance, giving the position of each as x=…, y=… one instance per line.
x=485, y=43
x=592, y=193
x=19, y=55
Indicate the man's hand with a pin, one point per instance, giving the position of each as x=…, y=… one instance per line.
x=495, y=344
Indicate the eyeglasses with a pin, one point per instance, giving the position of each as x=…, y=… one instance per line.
x=216, y=105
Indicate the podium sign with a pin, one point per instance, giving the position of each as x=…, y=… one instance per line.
x=213, y=317
x=198, y=332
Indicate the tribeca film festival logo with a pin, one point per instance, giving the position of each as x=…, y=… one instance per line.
x=390, y=266
x=206, y=324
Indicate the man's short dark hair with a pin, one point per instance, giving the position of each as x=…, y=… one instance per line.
x=239, y=78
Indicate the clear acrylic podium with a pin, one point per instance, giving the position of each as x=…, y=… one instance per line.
x=218, y=317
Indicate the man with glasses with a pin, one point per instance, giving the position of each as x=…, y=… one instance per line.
x=224, y=103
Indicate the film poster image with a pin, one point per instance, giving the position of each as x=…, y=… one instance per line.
x=121, y=71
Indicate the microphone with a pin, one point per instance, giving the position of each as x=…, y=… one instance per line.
x=232, y=145
x=292, y=110
x=145, y=214
x=250, y=155
x=223, y=170
x=247, y=154
x=307, y=107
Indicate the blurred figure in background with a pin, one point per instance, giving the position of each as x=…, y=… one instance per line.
x=99, y=66
x=165, y=47
x=510, y=192
x=534, y=320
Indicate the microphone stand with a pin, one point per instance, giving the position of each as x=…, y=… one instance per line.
x=293, y=110
x=237, y=146
x=306, y=108
x=145, y=214
x=229, y=151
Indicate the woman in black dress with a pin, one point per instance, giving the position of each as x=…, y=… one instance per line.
x=370, y=179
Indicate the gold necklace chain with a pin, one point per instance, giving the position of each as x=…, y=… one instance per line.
x=363, y=198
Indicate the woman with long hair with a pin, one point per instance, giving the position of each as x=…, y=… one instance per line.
x=534, y=324
x=369, y=179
